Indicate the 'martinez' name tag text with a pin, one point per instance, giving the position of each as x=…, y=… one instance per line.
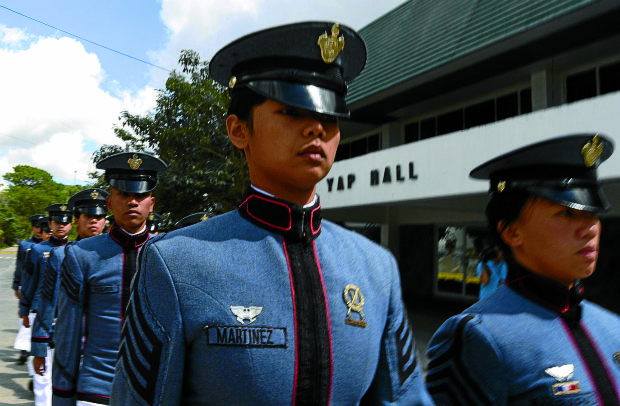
x=274, y=337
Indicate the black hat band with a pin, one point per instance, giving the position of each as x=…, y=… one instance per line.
x=91, y=210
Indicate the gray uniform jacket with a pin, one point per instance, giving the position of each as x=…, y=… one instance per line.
x=267, y=305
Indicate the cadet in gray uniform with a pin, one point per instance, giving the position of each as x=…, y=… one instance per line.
x=94, y=284
x=89, y=209
x=535, y=341
x=269, y=304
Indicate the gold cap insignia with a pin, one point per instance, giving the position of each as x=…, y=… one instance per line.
x=331, y=46
x=94, y=194
x=151, y=216
x=232, y=82
x=501, y=186
x=63, y=208
x=134, y=162
x=592, y=151
x=204, y=217
x=354, y=300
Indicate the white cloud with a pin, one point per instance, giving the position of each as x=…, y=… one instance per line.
x=52, y=106
x=11, y=36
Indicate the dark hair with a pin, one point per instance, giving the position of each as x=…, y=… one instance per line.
x=242, y=101
x=505, y=208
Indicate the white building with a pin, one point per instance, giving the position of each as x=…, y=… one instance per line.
x=448, y=85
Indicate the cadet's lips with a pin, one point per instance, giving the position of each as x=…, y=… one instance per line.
x=313, y=152
x=589, y=252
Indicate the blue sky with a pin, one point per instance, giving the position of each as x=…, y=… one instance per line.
x=61, y=96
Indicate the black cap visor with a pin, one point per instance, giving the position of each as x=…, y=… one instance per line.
x=132, y=183
x=591, y=199
x=304, y=96
x=586, y=196
x=61, y=217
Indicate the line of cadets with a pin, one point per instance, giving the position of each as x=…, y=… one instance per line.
x=38, y=266
x=534, y=341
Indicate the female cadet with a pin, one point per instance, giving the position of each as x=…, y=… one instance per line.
x=536, y=341
x=270, y=305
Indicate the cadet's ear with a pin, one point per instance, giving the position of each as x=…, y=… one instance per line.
x=510, y=234
x=238, y=131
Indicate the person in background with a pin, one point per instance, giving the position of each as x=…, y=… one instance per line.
x=89, y=210
x=269, y=304
x=94, y=284
x=191, y=219
x=22, y=340
x=492, y=271
x=536, y=341
x=154, y=223
x=60, y=216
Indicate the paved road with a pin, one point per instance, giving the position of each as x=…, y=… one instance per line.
x=13, y=378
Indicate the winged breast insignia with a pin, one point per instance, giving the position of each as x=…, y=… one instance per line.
x=243, y=313
x=561, y=373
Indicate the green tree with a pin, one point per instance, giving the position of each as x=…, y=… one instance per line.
x=187, y=129
x=30, y=191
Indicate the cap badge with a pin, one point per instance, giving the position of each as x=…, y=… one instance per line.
x=151, y=216
x=204, y=217
x=501, y=186
x=134, y=162
x=331, y=46
x=243, y=313
x=63, y=208
x=592, y=151
x=232, y=82
x=354, y=300
x=94, y=194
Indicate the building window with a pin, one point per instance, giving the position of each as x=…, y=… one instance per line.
x=412, y=132
x=581, y=86
x=480, y=114
x=450, y=122
x=486, y=112
x=609, y=77
x=358, y=147
x=458, y=251
x=593, y=82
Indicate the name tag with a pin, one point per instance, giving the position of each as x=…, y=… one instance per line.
x=103, y=289
x=241, y=336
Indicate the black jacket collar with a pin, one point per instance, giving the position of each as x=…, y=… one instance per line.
x=546, y=292
x=128, y=241
x=290, y=220
x=58, y=241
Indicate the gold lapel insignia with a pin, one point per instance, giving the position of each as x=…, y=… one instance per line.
x=63, y=208
x=592, y=151
x=134, y=162
x=204, y=217
x=331, y=46
x=94, y=195
x=354, y=300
